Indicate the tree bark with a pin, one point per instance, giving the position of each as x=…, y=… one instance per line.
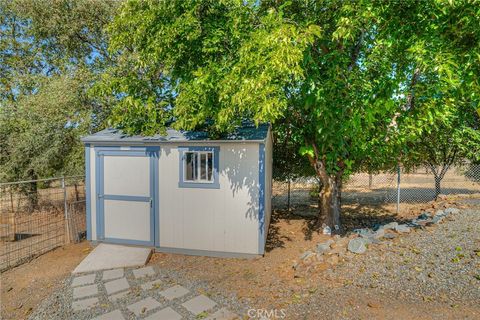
x=329, y=198
x=330, y=203
x=329, y=194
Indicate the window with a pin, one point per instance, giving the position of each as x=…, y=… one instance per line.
x=199, y=167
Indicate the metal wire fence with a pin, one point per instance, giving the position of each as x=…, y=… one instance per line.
x=393, y=191
x=39, y=215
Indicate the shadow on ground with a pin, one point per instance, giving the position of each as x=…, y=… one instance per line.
x=353, y=217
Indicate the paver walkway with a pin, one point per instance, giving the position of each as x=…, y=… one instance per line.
x=140, y=294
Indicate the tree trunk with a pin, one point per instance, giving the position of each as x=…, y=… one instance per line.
x=330, y=203
x=330, y=193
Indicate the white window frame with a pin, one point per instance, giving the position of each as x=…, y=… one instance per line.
x=198, y=167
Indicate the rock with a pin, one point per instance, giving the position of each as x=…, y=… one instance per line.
x=451, y=210
x=327, y=230
x=391, y=225
x=363, y=231
x=390, y=236
x=420, y=223
x=424, y=216
x=324, y=246
x=402, y=228
x=437, y=219
x=357, y=245
x=379, y=233
x=440, y=213
x=370, y=236
x=306, y=254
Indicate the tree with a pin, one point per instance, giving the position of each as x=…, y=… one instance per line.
x=50, y=54
x=452, y=140
x=339, y=71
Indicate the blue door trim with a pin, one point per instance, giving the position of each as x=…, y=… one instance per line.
x=152, y=153
x=88, y=200
x=126, y=198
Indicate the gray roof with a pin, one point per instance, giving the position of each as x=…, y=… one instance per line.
x=247, y=132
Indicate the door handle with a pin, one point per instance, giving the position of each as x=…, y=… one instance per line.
x=100, y=196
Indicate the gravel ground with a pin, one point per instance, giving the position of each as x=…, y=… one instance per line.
x=58, y=305
x=442, y=263
x=427, y=274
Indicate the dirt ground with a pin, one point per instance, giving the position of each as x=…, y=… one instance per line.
x=24, y=287
x=267, y=282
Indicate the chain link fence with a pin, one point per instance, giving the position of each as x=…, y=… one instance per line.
x=392, y=191
x=37, y=216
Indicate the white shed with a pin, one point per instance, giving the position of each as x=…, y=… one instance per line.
x=181, y=192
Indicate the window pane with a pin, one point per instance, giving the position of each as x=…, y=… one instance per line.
x=203, y=166
x=190, y=166
x=210, y=166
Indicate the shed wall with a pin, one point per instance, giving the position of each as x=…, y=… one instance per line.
x=221, y=220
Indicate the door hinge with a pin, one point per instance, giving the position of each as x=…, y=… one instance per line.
x=151, y=202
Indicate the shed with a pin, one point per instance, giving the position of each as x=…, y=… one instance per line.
x=181, y=192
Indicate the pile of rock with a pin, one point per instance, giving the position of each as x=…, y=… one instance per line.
x=340, y=248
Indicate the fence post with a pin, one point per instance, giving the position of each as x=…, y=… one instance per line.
x=398, y=188
x=65, y=208
x=288, y=196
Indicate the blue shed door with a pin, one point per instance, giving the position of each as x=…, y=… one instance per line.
x=126, y=195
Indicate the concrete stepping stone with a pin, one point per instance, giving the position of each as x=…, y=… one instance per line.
x=116, y=285
x=165, y=314
x=199, y=304
x=143, y=272
x=143, y=306
x=116, y=296
x=223, y=314
x=112, y=274
x=174, y=292
x=84, y=304
x=114, y=315
x=83, y=280
x=85, y=291
x=152, y=285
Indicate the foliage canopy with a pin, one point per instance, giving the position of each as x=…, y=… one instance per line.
x=358, y=83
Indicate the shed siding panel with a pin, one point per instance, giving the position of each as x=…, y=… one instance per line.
x=126, y=175
x=127, y=220
x=224, y=219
